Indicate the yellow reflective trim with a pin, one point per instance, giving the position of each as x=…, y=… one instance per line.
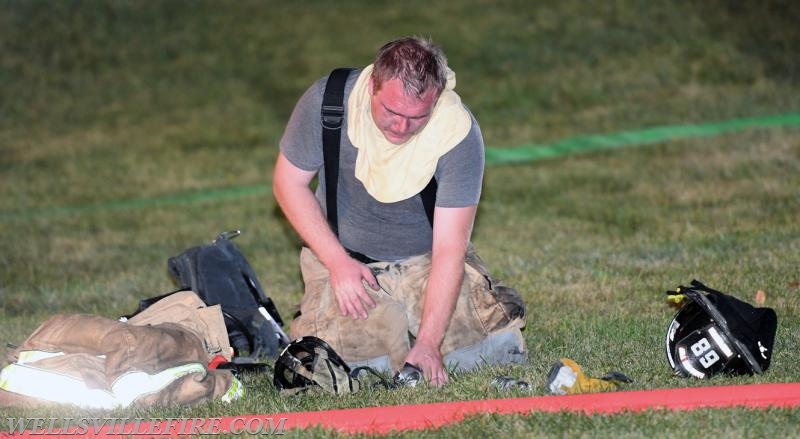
x=235, y=392
x=132, y=385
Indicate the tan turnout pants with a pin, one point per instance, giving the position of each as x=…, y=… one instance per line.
x=484, y=307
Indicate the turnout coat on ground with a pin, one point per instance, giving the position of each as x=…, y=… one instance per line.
x=158, y=357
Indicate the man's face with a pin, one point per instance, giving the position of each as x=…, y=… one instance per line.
x=396, y=115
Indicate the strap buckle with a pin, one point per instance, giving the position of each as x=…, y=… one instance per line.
x=228, y=235
x=332, y=116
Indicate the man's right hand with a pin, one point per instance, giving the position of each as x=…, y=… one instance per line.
x=347, y=281
x=291, y=187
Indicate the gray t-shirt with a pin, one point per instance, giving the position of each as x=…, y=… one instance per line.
x=382, y=231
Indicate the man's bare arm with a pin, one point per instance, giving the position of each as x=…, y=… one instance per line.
x=292, y=191
x=451, y=235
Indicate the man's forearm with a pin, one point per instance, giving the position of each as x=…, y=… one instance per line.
x=441, y=295
x=305, y=215
x=452, y=229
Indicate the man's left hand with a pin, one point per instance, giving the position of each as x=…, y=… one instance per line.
x=429, y=359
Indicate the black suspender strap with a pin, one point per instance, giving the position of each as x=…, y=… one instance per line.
x=332, y=116
x=428, y=195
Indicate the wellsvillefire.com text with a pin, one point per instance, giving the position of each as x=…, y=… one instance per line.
x=253, y=425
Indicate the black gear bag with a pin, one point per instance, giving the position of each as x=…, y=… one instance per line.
x=220, y=275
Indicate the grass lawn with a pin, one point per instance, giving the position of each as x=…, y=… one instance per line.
x=131, y=130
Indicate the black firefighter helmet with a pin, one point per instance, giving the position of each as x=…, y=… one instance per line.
x=714, y=332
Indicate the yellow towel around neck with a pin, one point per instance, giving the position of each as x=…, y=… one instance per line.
x=393, y=173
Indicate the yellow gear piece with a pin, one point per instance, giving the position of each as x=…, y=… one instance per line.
x=566, y=378
x=676, y=298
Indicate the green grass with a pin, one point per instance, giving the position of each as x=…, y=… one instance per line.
x=118, y=119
